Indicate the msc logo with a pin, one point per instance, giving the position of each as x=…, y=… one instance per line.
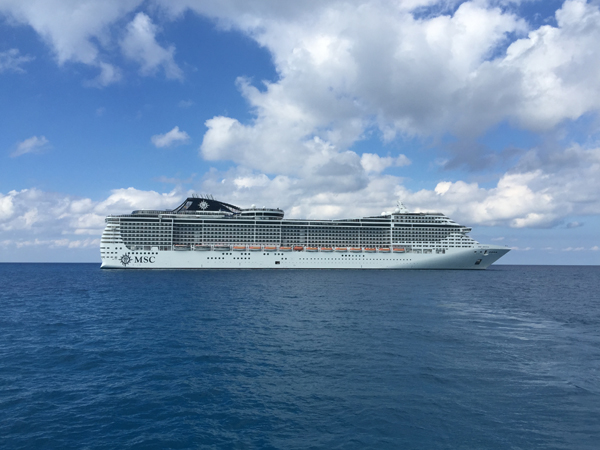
x=144, y=259
x=126, y=259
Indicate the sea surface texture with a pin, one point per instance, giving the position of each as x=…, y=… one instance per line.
x=507, y=358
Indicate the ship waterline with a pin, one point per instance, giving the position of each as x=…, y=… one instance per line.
x=204, y=233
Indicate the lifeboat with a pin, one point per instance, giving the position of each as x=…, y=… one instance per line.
x=285, y=249
x=181, y=248
x=370, y=250
x=239, y=248
x=222, y=248
x=326, y=249
x=356, y=249
x=341, y=249
x=312, y=249
x=255, y=248
x=270, y=248
x=399, y=250
x=384, y=250
x=201, y=248
x=298, y=248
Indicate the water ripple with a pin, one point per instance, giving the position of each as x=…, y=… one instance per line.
x=505, y=358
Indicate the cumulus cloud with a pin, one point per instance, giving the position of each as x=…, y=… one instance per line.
x=34, y=144
x=329, y=86
x=350, y=66
x=31, y=217
x=84, y=31
x=139, y=44
x=345, y=66
x=109, y=74
x=542, y=191
x=354, y=64
x=72, y=28
x=372, y=162
x=173, y=137
x=12, y=61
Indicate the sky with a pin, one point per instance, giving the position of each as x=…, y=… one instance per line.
x=485, y=110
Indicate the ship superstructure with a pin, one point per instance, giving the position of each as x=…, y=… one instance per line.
x=204, y=233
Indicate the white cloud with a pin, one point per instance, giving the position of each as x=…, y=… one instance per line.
x=122, y=201
x=372, y=162
x=74, y=29
x=173, y=137
x=544, y=190
x=7, y=207
x=348, y=66
x=109, y=74
x=345, y=66
x=11, y=60
x=251, y=181
x=34, y=218
x=33, y=144
x=139, y=44
x=558, y=68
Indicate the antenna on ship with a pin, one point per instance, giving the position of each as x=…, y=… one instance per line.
x=400, y=208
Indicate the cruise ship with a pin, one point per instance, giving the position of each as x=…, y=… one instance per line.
x=205, y=233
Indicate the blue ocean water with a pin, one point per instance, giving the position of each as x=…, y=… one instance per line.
x=507, y=358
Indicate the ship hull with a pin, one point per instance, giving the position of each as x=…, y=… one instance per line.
x=476, y=259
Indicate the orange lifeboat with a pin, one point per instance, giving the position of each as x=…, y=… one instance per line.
x=239, y=248
x=384, y=250
x=370, y=250
x=255, y=248
x=326, y=249
x=355, y=249
x=270, y=248
x=285, y=249
x=312, y=249
x=298, y=248
x=341, y=249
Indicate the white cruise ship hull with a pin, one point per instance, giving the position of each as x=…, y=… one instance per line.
x=468, y=258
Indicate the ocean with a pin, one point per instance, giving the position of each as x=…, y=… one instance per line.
x=506, y=358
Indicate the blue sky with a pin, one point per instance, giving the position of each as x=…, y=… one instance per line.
x=486, y=110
